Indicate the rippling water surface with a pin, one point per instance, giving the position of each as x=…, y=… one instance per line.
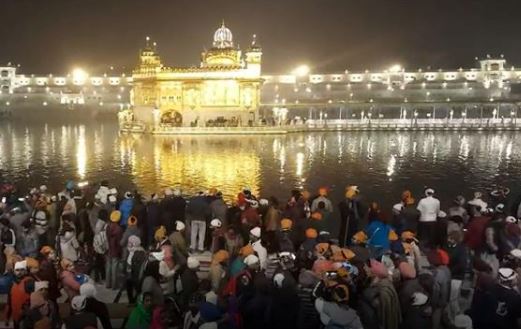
x=381, y=163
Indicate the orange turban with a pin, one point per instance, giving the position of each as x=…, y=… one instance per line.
x=360, y=237
x=351, y=191
x=40, y=205
x=341, y=254
x=246, y=250
x=46, y=250
x=316, y=215
x=286, y=224
x=311, y=233
x=132, y=220
x=32, y=263
x=322, y=191
x=392, y=235
x=220, y=256
x=321, y=248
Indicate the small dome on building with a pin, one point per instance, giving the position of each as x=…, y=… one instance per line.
x=223, y=37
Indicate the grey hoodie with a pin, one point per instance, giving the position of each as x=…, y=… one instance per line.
x=334, y=315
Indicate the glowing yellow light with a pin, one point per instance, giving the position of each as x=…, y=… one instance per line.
x=79, y=74
x=395, y=68
x=301, y=71
x=81, y=153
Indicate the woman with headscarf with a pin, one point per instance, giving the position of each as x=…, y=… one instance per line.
x=134, y=261
x=283, y=311
x=131, y=230
x=409, y=285
x=95, y=306
x=382, y=296
x=80, y=318
x=218, y=270
x=141, y=315
x=68, y=279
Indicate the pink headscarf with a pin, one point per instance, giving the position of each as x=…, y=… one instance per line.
x=169, y=257
x=379, y=270
x=407, y=271
x=322, y=265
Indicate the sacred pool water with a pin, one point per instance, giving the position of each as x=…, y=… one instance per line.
x=382, y=164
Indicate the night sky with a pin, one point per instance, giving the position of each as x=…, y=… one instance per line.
x=47, y=36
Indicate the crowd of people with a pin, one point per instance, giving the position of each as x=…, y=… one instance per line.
x=274, y=264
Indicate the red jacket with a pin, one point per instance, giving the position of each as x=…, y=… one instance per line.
x=251, y=217
x=475, y=235
x=114, y=235
x=20, y=294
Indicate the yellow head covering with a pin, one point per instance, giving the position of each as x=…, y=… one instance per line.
x=316, y=215
x=311, y=233
x=360, y=237
x=286, y=224
x=322, y=191
x=392, y=235
x=321, y=248
x=46, y=250
x=246, y=250
x=220, y=256
x=160, y=233
x=115, y=216
x=351, y=191
x=32, y=263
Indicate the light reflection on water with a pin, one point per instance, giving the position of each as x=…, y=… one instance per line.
x=381, y=163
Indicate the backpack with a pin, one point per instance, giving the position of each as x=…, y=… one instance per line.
x=100, y=242
x=285, y=243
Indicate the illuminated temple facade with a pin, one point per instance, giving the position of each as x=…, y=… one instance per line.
x=223, y=91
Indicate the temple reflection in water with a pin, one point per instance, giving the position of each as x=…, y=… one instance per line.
x=194, y=163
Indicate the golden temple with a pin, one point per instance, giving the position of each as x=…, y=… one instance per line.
x=223, y=91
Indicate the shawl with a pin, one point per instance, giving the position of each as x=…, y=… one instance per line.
x=388, y=310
